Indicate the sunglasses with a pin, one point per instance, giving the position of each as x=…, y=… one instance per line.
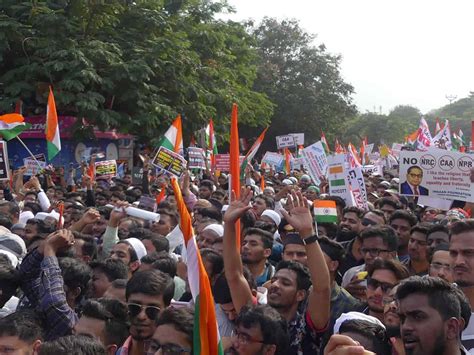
x=367, y=222
x=151, y=312
x=375, y=284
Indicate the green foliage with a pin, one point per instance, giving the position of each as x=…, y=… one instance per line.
x=131, y=65
x=379, y=128
x=302, y=80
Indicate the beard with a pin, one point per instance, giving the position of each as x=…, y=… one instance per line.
x=343, y=235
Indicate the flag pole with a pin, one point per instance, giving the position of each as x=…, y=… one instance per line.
x=29, y=151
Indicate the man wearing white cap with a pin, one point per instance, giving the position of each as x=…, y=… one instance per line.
x=210, y=235
x=130, y=251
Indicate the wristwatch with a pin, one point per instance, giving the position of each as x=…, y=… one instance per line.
x=311, y=240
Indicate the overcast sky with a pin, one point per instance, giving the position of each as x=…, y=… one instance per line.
x=395, y=52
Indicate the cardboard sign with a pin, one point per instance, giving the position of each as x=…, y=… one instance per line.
x=316, y=161
x=298, y=137
x=105, y=169
x=170, y=161
x=357, y=187
x=373, y=169
x=137, y=175
x=273, y=159
x=223, y=162
x=4, y=168
x=338, y=184
x=437, y=173
x=32, y=167
x=287, y=141
x=196, y=158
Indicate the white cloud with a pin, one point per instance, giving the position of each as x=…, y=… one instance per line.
x=394, y=52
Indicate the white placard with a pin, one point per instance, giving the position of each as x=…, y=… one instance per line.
x=287, y=141
x=316, y=161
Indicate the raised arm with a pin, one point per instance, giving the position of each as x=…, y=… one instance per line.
x=239, y=288
x=319, y=298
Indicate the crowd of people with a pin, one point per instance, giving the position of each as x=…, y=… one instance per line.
x=78, y=275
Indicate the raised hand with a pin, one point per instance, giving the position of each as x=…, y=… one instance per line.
x=118, y=213
x=238, y=206
x=59, y=240
x=299, y=215
x=91, y=216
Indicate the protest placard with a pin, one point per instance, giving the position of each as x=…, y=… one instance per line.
x=396, y=149
x=4, y=168
x=273, y=159
x=437, y=173
x=298, y=137
x=316, y=161
x=357, y=187
x=338, y=184
x=373, y=169
x=137, y=175
x=223, y=162
x=105, y=169
x=287, y=141
x=196, y=158
x=170, y=161
x=33, y=167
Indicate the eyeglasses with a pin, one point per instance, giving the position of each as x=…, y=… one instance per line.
x=167, y=349
x=439, y=266
x=373, y=251
x=245, y=338
x=368, y=222
x=151, y=312
x=374, y=284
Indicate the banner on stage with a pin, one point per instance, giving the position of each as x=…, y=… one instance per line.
x=437, y=173
x=105, y=169
x=170, y=161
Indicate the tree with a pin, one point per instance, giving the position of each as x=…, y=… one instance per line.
x=129, y=65
x=302, y=80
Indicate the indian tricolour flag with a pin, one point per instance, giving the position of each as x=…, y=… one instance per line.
x=251, y=153
x=206, y=334
x=52, y=128
x=11, y=125
x=211, y=143
x=173, y=138
x=325, y=211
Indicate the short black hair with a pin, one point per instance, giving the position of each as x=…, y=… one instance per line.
x=120, y=284
x=331, y=248
x=151, y=282
x=72, y=345
x=33, y=206
x=388, y=201
x=212, y=213
x=353, y=209
x=303, y=277
x=265, y=237
x=6, y=221
x=214, y=258
x=182, y=319
x=414, y=167
x=269, y=202
x=272, y=325
x=24, y=324
x=387, y=234
x=462, y=227
x=438, y=228
x=164, y=262
x=89, y=247
x=112, y=269
x=398, y=269
x=115, y=315
x=75, y=273
x=221, y=290
x=441, y=294
x=405, y=215
x=423, y=228
x=377, y=213
x=369, y=330
x=207, y=183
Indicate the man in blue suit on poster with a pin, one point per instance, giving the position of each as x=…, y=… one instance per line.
x=412, y=185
